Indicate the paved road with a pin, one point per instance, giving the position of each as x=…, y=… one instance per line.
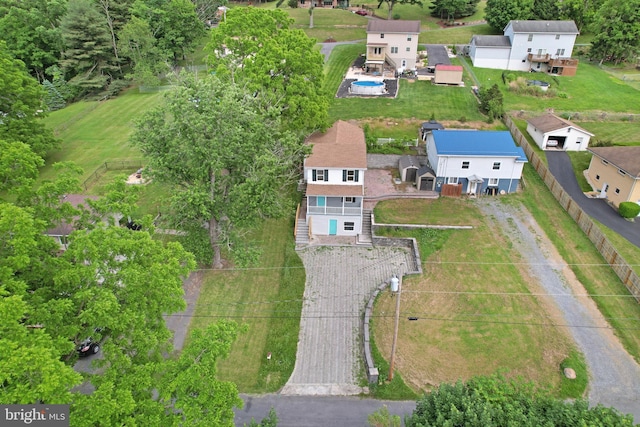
x=326, y=48
x=598, y=209
x=317, y=411
x=614, y=375
x=340, y=281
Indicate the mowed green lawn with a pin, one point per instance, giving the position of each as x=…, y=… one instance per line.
x=93, y=132
x=590, y=90
x=267, y=298
x=467, y=325
x=416, y=99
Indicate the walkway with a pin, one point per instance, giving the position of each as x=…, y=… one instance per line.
x=340, y=280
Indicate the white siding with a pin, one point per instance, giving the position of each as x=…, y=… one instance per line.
x=335, y=176
x=538, y=136
x=320, y=224
x=451, y=166
x=398, y=40
x=490, y=57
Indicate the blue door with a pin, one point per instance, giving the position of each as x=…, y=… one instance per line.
x=321, y=201
x=333, y=227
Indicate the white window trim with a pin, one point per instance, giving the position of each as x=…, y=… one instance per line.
x=493, y=182
x=452, y=180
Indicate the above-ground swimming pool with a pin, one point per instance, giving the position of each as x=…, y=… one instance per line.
x=366, y=87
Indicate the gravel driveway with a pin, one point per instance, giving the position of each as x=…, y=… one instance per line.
x=615, y=377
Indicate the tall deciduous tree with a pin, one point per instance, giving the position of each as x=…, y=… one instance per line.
x=547, y=10
x=88, y=56
x=21, y=106
x=617, y=29
x=18, y=165
x=582, y=12
x=257, y=48
x=115, y=14
x=391, y=4
x=30, y=29
x=228, y=160
x=453, y=9
x=137, y=42
x=499, y=12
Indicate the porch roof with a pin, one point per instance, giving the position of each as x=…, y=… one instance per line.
x=335, y=190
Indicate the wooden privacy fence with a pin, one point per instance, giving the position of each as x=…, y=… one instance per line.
x=111, y=165
x=604, y=246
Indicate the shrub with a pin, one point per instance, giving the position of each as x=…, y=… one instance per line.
x=629, y=210
x=293, y=4
x=597, y=142
x=396, y=16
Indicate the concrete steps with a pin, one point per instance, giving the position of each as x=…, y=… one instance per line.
x=365, y=237
x=302, y=233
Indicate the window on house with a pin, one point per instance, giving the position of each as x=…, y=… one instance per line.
x=349, y=226
x=408, y=49
x=604, y=162
x=377, y=50
x=452, y=180
x=408, y=38
x=530, y=37
x=621, y=172
x=382, y=35
x=320, y=175
x=557, y=36
x=529, y=50
x=350, y=175
x=465, y=165
x=349, y=199
x=560, y=52
x=496, y=165
x=597, y=177
x=493, y=182
x=394, y=49
x=617, y=191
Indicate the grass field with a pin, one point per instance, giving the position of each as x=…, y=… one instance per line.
x=268, y=298
x=93, y=132
x=469, y=332
x=592, y=89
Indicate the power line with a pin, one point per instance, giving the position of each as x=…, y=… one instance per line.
x=412, y=315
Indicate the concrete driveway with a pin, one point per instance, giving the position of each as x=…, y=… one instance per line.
x=598, y=209
x=340, y=280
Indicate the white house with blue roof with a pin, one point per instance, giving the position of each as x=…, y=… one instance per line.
x=475, y=161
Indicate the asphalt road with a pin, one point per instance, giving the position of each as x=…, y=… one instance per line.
x=317, y=411
x=598, y=209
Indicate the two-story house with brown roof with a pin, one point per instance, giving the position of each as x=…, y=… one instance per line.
x=392, y=42
x=334, y=174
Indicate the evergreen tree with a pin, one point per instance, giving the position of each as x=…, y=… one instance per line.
x=88, y=56
x=52, y=98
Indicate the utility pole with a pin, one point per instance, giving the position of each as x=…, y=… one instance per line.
x=394, y=281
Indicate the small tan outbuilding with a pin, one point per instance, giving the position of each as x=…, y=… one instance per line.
x=448, y=75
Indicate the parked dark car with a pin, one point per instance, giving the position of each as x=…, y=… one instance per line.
x=91, y=345
x=361, y=12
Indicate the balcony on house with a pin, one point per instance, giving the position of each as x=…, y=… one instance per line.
x=532, y=57
x=331, y=205
x=376, y=51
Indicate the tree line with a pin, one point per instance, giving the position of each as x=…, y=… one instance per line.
x=79, y=48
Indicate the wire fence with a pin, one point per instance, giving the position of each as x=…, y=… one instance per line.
x=122, y=164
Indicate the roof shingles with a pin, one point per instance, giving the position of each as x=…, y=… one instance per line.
x=342, y=146
x=625, y=158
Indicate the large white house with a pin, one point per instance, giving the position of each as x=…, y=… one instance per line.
x=479, y=162
x=544, y=46
x=551, y=132
x=394, y=42
x=334, y=173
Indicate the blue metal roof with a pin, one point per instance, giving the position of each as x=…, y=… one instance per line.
x=454, y=142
